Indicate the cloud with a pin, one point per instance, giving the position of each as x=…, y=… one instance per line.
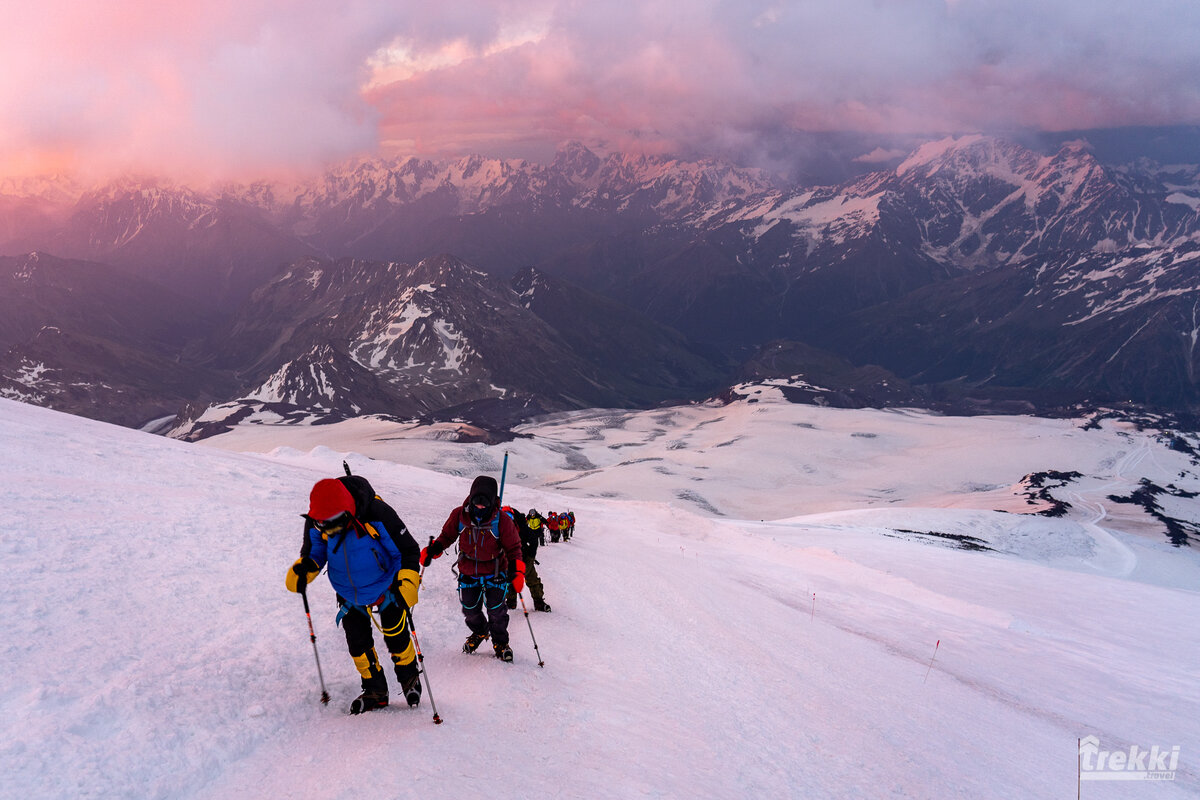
x=265, y=84
x=708, y=76
x=191, y=87
x=881, y=156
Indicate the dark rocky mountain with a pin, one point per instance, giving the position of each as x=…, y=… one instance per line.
x=952, y=207
x=333, y=339
x=961, y=270
x=106, y=379
x=213, y=251
x=218, y=245
x=807, y=374
x=322, y=385
x=90, y=339
x=792, y=263
x=502, y=214
x=39, y=290
x=652, y=361
x=984, y=202
x=1073, y=326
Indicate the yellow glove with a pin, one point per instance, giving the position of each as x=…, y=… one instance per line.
x=408, y=580
x=300, y=574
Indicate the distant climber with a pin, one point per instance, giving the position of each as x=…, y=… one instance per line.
x=529, y=546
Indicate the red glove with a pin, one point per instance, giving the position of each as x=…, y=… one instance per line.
x=518, y=580
x=429, y=553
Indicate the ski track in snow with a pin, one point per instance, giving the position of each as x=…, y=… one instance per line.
x=151, y=650
x=1116, y=557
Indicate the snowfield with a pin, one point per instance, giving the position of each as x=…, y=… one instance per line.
x=762, y=600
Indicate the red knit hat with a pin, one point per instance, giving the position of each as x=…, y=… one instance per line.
x=329, y=497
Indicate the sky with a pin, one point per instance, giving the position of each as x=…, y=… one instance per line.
x=237, y=86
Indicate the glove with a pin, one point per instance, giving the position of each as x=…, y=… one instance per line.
x=429, y=553
x=408, y=581
x=518, y=581
x=301, y=573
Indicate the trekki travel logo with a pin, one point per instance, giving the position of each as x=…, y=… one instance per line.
x=1136, y=764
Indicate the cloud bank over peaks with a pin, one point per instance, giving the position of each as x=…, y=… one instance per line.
x=269, y=84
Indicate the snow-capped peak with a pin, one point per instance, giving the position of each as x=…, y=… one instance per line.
x=931, y=152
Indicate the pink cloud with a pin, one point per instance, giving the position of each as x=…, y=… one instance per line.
x=243, y=85
x=657, y=75
x=186, y=87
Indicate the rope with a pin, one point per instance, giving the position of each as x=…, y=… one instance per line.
x=392, y=630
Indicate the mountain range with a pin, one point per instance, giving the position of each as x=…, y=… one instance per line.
x=438, y=339
x=975, y=269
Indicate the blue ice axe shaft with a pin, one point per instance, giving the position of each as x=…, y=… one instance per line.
x=503, y=474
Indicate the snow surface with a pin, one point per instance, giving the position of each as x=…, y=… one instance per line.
x=779, y=644
x=1184, y=199
x=932, y=151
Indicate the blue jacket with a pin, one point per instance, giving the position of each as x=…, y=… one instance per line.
x=361, y=566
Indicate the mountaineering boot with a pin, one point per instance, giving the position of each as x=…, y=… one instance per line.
x=410, y=682
x=540, y=605
x=473, y=642
x=503, y=652
x=374, y=683
x=368, y=701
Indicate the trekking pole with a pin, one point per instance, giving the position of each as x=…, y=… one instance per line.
x=412, y=631
x=935, y=649
x=500, y=500
x=521, y=597
x=313, y=636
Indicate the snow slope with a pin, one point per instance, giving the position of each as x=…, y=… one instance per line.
x=768, y=458
x=151, y=650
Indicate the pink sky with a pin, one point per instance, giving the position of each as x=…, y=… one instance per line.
x=236, y=87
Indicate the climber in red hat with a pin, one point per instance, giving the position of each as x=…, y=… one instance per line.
x=373, y=563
